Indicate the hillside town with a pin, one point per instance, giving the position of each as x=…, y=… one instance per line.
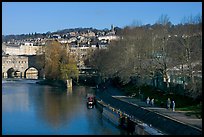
x=78, y=42
x=97, y=68
x=82, y=42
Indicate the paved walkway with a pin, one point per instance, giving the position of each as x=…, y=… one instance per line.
x=176, y=115
x=148, y=114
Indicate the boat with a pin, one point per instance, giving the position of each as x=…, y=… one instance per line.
x=90, y=99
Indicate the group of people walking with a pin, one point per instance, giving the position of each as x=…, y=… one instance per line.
x=151, y=102
x=169, y=103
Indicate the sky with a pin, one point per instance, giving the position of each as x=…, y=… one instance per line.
x=41, y=17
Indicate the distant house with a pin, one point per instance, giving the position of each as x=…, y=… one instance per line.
x=175, y=76
x=73, y=33
x=108, y=37
x=63, y=41
x=56, y=36
x=72, y=39
x=28, y=43
x=26, y=48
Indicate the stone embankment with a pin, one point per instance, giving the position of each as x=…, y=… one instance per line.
x=154, y=119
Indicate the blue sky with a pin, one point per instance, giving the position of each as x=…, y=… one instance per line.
x=41, y=17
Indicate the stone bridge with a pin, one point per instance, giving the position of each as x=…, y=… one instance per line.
x=19, y=67
x=26, y=66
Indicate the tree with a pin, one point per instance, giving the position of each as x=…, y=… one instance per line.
x=59, y=63
x=144, y=52
x=163, y=20
x=192, y=19
x=69, y=71
x=190, y=52
x=136, y=23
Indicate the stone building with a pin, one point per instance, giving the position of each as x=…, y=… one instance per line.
x=17, y=67
x=14, y=66
x=23, y=49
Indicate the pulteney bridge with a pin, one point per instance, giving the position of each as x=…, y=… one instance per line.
x=22, y=66
x=19, y=67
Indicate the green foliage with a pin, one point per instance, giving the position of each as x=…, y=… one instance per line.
x=192, y=107
x=52, y=56
x=161, y=96
x=68, y=71
x=195, y=110
x=59, y=63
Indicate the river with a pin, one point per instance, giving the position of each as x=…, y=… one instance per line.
x=32, y=109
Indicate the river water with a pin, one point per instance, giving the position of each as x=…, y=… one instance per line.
x=32, y=109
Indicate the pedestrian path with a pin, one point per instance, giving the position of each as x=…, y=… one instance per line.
x=178, y=116
x=157, y=117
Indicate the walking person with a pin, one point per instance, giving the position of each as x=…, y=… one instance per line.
x=152, y=101
x=148, y=100
x=168, y=103
x=173, y=105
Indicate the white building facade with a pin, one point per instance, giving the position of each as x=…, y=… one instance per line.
x=23, y=49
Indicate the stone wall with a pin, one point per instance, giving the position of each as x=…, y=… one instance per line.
x=18, y=63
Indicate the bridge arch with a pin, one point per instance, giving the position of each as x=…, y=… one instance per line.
x=31, y=73
x=13, y=73
x=17, y=74
x=10, y=73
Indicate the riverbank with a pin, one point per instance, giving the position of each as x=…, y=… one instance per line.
x=160, y=121
x=82, y=81
x=124, y=121
x=54, y=83
x=192, y=107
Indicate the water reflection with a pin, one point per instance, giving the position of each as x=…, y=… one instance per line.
x=35, y=109
x=57, y=106
x=9, y=103
x=15, y=101
x=69, y=91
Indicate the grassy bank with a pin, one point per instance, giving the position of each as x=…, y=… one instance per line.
x=183, y=103
x=195, y=110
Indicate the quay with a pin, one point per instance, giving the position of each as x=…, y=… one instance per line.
x=115, y=116
x=148, y=120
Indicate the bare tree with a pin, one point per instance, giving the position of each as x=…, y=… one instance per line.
x=163, y=20
x=144, y=52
